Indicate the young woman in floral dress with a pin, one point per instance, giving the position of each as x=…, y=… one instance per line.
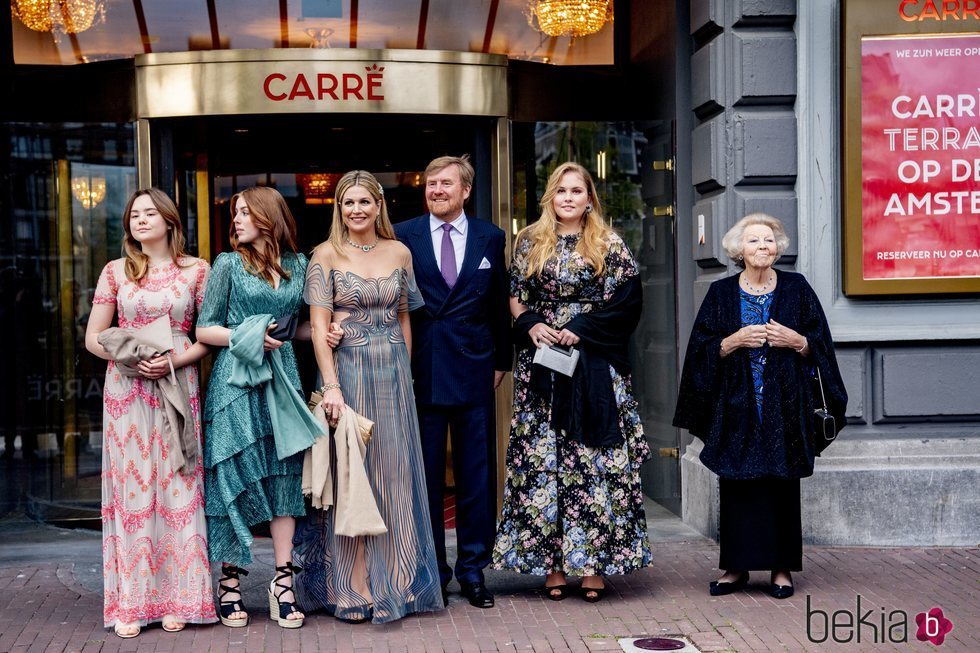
x=573, y=505
x=154, y=548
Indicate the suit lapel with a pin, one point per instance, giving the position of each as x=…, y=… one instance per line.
x=425, y=259
x=476, y=245
x=425, y=264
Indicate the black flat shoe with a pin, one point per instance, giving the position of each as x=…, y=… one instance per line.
x=556, y=592
x=721, y=589
x=477, y=594
x=445, y=596
x=780, y=591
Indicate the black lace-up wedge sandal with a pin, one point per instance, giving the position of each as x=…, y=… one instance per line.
x=228, y=608
x=279, y=611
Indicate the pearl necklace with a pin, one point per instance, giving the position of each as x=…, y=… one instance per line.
x=764, y=287
x=364, y=248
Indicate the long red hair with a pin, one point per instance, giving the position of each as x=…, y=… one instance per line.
x=277, y=232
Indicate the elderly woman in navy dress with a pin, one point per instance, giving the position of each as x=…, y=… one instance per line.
x=748, y=390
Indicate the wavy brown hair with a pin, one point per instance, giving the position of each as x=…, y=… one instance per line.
x=277, y=231
x=137, y=263
x=543, y=234
x=367, y=181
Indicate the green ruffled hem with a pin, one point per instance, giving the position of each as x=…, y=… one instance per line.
x=237, y=429
x=248, y=488
x=229, y=537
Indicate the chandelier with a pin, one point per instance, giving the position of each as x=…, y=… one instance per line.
x=568, y=17
x=318, y=187
x=88, y=190
x=59, y=16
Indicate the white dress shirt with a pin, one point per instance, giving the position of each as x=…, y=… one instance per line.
x=457, y=234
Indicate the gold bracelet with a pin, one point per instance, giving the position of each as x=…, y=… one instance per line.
x=329, y=386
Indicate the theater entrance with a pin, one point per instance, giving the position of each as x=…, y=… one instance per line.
x=208, y=160
x=212, y=124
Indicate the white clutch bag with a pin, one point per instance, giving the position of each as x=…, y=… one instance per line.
x=558, y=359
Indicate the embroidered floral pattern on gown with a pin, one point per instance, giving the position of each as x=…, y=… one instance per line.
x=245, y=482
x=397, y=571
x=154, y=547
x=569, y=507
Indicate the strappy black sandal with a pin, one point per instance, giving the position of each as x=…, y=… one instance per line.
x=279, y=611
x=228, y=608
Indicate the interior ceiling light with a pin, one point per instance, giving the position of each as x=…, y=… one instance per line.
x=318, y=184
x=568, y=17
x=90, y=191
x=59, y=16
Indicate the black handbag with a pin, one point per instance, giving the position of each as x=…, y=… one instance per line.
x=285, y=328
x=824, y=424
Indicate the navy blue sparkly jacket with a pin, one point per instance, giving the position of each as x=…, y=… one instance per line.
x=716, y=401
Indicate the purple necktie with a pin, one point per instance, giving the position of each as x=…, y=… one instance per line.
x=448, y=256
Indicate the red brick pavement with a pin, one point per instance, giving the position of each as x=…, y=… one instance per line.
x=44, y=607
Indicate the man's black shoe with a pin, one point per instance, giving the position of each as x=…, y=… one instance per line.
x=477, y=594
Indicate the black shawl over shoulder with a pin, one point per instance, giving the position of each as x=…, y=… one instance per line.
x=585, y=405
x=716, y=401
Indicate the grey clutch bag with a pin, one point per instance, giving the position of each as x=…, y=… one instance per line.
x=558, y=359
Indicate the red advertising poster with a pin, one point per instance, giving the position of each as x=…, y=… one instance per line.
x=920, y=157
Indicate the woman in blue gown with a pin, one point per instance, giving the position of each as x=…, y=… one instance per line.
x=362, y=278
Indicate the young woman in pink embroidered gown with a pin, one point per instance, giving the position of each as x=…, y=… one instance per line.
x=154, y=547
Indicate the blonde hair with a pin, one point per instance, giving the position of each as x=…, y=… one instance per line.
x=137, y=264
x=382, y=226
x=732, y=240
x=277, y=230
x=543, y=234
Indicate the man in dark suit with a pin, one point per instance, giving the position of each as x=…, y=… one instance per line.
x=460, y=352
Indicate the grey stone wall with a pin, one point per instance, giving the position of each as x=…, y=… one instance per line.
x=744, y=152
x=765, y=136
x=743, y=158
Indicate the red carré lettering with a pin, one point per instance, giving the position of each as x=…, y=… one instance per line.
x=374, y=84
x=352, y=86
x=301, y=88
x=326, y=84
x=267, y=87
x=942, y=10
x=951, y=8
x=930, y=11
